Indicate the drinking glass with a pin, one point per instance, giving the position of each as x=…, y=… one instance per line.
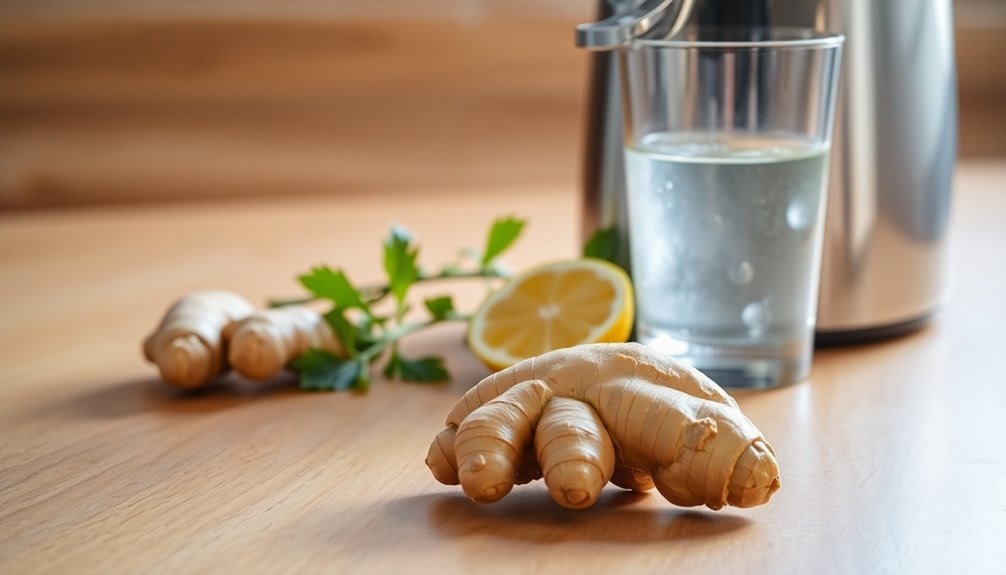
x=727, y=137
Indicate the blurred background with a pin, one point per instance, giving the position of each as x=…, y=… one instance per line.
x=114, y=101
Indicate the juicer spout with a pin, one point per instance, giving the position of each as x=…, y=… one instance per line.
x=630, y=19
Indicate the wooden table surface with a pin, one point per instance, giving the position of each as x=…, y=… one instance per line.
x=893, y=455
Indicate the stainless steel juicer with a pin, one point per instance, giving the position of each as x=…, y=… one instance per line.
x=884, y=268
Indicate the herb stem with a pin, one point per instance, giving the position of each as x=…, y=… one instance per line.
x=392, y=336
x=375, y=293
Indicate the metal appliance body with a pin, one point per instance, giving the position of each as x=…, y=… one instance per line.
x=884, y=268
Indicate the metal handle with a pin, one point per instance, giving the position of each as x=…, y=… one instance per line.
x=631, y=20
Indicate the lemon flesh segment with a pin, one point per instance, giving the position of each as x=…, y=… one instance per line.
x=550, y=307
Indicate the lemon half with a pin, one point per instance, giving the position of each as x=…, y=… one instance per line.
x=552, y=306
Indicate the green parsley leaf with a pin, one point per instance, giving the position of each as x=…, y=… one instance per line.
x=440, y=307
x=354, y=337
x=400, y=262
x=313, y=359
x=502, y=235
x=325, y=283
x=602, y=244
x=344, y=329
x=423, y=370
x=322, y=371
x=365, y=338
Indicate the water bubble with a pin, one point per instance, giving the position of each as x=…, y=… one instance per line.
x=742, y=273
x=668, y=185
x=799, y=216
x=756, y=316
x=718, y=221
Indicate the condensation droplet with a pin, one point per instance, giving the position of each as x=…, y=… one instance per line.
x=742, y=273
x=718, y=220
x=668, y=185
x=756, y=316
x=798, y=216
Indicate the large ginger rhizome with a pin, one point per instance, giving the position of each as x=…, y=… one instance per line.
x=583, y=416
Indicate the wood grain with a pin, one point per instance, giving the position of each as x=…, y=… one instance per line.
x=118, y=101
x=98, y=111
x=892, y=454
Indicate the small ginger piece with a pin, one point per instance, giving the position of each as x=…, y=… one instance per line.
x=605, y=412
x=574, y=451
x=488, y=446
x=266, y=341
x=188, y=345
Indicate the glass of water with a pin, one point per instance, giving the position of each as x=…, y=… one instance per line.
x=727, y=140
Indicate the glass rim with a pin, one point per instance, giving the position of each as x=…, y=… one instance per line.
x=798, y=38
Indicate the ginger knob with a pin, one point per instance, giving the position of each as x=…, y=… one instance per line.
x=265, y=342
x=188, y=345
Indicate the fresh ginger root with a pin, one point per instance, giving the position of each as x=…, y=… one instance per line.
x=604, y=412
x=264, y=343
x=188, y=346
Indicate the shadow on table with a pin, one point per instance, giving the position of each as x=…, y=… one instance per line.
x=531, y=516
x=147, y=395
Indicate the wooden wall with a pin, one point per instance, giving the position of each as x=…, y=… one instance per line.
x=157, y=106
x=123, y=101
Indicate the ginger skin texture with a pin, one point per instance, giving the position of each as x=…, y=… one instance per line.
x=263, y=343
x=188, y=345
x=604, y=412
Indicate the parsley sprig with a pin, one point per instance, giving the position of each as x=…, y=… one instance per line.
x=367, y=336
